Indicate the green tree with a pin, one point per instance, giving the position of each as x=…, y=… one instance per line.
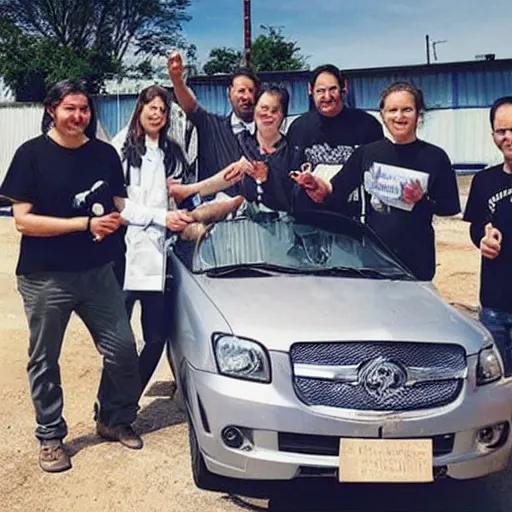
x=271, y=51
x=48, y=40
x=223, y=60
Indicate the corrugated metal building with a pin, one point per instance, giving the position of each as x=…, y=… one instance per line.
x=20, y=122
x=458, y=94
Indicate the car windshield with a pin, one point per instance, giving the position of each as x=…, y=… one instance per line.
x=317, y=243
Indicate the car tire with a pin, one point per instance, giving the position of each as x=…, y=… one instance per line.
x=203, y=478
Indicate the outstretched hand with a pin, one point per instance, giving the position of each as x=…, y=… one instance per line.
x=316, y=188
x=490, y=244
x=235, y=171
x=258, y=171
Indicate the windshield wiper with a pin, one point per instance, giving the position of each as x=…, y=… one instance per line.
x=246, y=270
x=367, y=273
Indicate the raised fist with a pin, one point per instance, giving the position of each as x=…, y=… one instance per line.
x=175, y=65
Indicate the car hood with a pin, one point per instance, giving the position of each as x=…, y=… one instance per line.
x=279, y=311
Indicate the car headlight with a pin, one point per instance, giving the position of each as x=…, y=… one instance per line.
x=489, y=367
x=241, y=358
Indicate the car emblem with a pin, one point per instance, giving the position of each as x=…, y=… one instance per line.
x=382, y=378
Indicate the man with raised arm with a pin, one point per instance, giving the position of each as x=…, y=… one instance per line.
x=218, y=144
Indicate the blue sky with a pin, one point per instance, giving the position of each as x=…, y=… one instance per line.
x=361, y=33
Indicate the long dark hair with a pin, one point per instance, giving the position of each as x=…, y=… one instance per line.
x=55, y=97
x=134, y=147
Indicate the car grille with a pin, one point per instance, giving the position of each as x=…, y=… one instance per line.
x=387, y=383
x=330, y=445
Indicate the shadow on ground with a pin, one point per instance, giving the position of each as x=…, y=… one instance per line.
x=491, y=494
x=164, y=411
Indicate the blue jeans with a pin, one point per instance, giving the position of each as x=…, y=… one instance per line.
x=155, y=315
x=499, y=324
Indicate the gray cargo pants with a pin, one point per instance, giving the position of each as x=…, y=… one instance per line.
x=95, y=296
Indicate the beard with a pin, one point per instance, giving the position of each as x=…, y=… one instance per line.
x=246, y=113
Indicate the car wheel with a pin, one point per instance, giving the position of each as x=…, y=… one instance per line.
x=203, y=478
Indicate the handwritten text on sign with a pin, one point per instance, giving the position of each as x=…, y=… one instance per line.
x=386, y=460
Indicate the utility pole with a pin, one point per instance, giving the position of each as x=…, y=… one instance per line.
x=247, y=33
x=427, y=43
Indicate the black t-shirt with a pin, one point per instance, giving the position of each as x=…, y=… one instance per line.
x=330, y=141
x=217, y=144
x=278, y=189
x=408, y=233
x=56, y=181
x=490, y=200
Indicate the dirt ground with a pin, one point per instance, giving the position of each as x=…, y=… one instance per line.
x=106, y=476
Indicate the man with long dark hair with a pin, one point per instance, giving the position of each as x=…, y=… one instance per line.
x=63, y=185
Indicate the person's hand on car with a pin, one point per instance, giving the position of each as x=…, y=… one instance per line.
x=490, y=244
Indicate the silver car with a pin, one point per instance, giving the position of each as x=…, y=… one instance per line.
x=302, y=347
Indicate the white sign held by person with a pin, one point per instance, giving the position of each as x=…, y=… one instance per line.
x=386, y=183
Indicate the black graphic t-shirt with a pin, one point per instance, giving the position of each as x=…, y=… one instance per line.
x=409, y=234
x=65, y=183
x=328, y=142
x=217, y=144
x=490, y=200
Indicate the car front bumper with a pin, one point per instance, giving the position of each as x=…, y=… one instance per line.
x=266, y=411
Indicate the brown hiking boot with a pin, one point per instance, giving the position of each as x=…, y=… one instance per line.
x=52, y=456
x=122, y=433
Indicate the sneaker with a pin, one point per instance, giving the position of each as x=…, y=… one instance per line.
x=52, y=456
x=122, y=433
